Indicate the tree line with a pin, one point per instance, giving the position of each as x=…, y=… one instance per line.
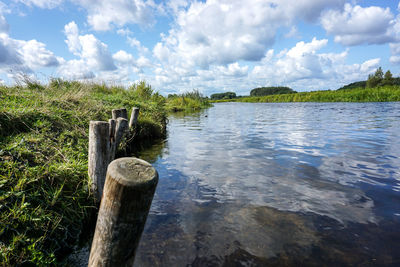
x=377, y=79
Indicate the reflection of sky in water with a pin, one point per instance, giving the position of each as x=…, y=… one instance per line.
x=224, y=168
x=299, y=157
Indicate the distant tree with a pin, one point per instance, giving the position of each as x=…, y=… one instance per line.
x=375, y=79
x=274, y=90
x=387, y=79
x=227, y=95
x=360, y=84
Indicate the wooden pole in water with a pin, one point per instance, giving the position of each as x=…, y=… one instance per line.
x=99, y=155
x=134, y=117
x=128, y=193
x=119, y=113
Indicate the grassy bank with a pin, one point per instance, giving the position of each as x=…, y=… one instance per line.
x=44, y=199
x=379, y=94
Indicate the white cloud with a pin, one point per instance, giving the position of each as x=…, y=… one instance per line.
x=357, y=25
x=93, y=54
x=72, y=33
x=96, y=53
x=226, y=31
x=4, y=27
x=9, y=55
x=76, y=70
x=124, y=58
x=302, y=65
x=233, y=70
x=35, y=55
x=104, y=14
x=49, y=4
x=25, y=56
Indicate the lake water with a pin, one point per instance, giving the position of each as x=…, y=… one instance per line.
x=245, y=184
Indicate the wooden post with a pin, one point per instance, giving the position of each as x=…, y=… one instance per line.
x=113, y=126
x=134, y=117
x=128, y=194
x=122, y=126
x=119, y=113
x=99, y=155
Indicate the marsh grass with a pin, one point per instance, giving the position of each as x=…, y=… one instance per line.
x=44, y=198
x=379, y=94
x=188, y=101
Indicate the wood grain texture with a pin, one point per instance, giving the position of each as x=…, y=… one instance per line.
x=119, y=113
x=99, y=151
x=128, y=193
x=134, y=117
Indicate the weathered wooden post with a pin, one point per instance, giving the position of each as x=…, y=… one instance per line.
x=121, y=127
x=113, y=147
x=128, y=193
x=119, y=113
x=134, y=117
x=99, y=155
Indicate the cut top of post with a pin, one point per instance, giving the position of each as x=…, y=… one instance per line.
x=133, y=172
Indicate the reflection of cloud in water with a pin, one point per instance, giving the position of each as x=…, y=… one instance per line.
x=238, y=168
x=248, y=177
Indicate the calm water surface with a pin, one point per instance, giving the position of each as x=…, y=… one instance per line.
x=277, y=184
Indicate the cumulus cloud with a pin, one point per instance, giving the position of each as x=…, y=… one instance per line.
x=4, y=27
x=104, y=14
x=76, y=70
x=303, y=64
x=93, y=54
x=35, y=55
x=302, y=67
x=49, y=4
x=124, y=58
x=223, y=32
x=233, y=70
x=71, y=31
x=9, y=55
x=358, y=25
x=20, y=55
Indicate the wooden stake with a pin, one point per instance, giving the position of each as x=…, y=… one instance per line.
x=112, y=139
x=99, y=151
x=121, y=127
x=128, y=193
x=119, y=113
x=134, y=117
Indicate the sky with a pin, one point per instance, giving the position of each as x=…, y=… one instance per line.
x=212, y=46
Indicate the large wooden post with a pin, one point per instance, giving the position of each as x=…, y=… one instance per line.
x=134, y=117
x=128, y=193
x=99, y=155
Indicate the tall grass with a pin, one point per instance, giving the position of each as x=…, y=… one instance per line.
x=192, y=100
x=379, y=94
x=44, y=198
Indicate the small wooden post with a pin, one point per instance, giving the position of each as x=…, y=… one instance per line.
x=134, y=117
x=128, y=193
x=119, y=113
x=113, y=126
x=122, y=126
x=99, y=151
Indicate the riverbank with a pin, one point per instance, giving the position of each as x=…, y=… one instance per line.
x=45, y=201
x=379, y=94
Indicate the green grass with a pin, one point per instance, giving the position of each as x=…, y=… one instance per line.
x=187, y=102
x=44, y=198
x=379, y=94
